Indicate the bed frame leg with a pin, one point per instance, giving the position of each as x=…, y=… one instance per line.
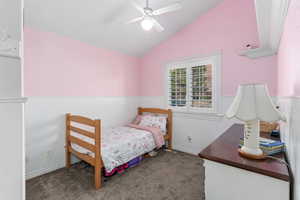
x=68, y=158
x=98, y=177
x=170, y=145
x=98, y=160
x=68, y=154
x=170, y=128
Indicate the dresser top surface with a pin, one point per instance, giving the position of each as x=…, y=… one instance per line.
x=225, y=150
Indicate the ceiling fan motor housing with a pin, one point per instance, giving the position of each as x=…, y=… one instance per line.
x=148, y=20
x=148, y=11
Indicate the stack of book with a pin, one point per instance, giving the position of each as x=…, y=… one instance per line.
x=268, y=146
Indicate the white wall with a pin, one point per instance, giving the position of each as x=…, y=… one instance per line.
x=45, y=128
x=45, y=125
x=290, y=134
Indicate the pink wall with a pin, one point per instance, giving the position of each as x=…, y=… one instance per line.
x=228, y=27
x=289, y=54
x=58, y=66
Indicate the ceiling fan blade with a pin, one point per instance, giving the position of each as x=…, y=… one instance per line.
x=139, y=8
x=157, y=26
x=170, y=8
x=135, y=20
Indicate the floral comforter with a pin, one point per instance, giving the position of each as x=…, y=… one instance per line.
x=119, y=145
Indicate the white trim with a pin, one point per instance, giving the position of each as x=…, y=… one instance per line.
x=21, y=57
x=215, y=60
x=13, y=100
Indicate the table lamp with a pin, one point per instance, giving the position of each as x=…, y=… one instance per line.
x=252, y=104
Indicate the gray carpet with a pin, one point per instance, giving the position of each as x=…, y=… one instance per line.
x=168, y=176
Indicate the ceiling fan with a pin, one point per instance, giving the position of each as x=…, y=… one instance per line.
x=147, y=19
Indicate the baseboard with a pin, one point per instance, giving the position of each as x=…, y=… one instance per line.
x=39, y=172
x=184, y=149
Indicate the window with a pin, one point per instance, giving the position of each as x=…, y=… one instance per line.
x=178, y=87
x=193, y=85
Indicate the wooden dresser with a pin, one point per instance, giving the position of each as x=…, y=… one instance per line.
x=228, y=176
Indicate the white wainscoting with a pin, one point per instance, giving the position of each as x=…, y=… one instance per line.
x=45, y=126
x=201, y=128
x=44, y=120
x=290, y=133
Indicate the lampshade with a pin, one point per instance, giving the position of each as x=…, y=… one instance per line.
x=253, y=102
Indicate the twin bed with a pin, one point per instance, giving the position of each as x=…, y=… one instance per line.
x=112, y=147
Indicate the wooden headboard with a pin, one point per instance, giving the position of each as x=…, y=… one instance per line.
x=168, y=113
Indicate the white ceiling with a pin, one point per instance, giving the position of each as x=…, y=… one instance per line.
x=102, y=22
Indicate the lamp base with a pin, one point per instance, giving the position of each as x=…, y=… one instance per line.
x=251, y=156
x=250, y=148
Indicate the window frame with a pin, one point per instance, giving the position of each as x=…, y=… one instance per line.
x=188, y=63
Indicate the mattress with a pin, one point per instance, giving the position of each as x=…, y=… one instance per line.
x=119, y=145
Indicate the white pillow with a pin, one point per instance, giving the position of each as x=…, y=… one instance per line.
x=154, y=121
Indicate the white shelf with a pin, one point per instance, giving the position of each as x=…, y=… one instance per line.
x=257, y=52
x=13, y=100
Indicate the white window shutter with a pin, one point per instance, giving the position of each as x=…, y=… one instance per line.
x=193, y=85
x=177, y=87
x=200, y=88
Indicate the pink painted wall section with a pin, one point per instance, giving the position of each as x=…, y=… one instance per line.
x=227, y=27
x=58, y=66
x=289, y=54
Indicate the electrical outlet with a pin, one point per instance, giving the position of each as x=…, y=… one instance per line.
x=189, y=138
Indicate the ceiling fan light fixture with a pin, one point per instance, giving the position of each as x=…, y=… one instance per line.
x=147, y=23
x=147, y=20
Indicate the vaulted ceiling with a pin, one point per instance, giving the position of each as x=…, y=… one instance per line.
x=101, y=23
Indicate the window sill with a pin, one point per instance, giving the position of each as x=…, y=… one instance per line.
x=199, y=115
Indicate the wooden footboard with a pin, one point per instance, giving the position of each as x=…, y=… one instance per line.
x=95, y=161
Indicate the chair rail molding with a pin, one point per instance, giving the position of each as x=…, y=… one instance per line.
x=270, y=16
x=13, y=100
